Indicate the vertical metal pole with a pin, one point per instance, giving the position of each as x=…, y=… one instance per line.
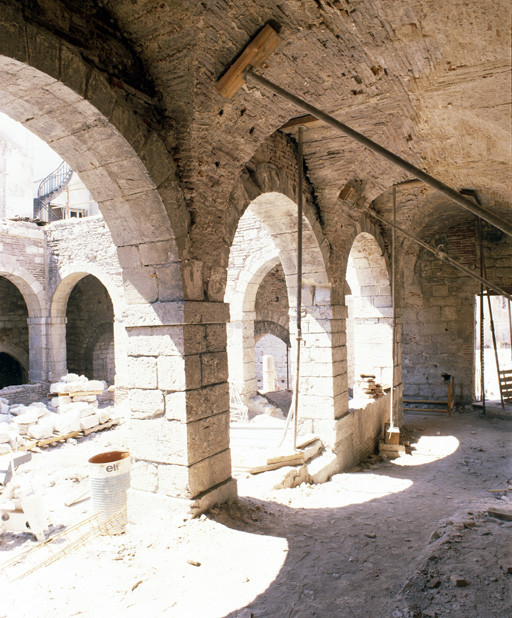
x=299, y=285
x=493, y=332
x=510, y=326
x=393, y=304
x=287, y=368
x=482, y=364
x=491, y=317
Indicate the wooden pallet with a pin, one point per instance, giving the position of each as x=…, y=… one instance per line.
x=59, y=438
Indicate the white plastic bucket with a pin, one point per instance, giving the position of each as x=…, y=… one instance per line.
x=109, y=475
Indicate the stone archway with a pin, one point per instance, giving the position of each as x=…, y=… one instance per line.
x=35, y=300
x=321, y=388
x=106, y=135
x=370, y=313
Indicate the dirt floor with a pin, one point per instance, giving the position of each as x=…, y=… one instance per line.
x=428, y=534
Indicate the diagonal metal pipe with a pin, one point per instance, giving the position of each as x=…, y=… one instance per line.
x=436, y=184
x=440, y=254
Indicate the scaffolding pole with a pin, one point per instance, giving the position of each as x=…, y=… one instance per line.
x=299, y=287
x=440, y=254
x=393, y=304
x=482, y=338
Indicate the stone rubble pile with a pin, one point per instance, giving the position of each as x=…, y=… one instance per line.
x=73, y=408
x=370, y=388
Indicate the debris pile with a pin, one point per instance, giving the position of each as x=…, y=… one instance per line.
x=73, y=408
x=370, y=388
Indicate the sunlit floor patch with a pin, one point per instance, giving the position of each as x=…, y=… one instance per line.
x=429, y=449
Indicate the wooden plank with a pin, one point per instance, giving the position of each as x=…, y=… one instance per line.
x=439, y=403
x=63, y=437
x=57, y=438
x=257, y=51
x=306, y=441
x=426, y=410
x=268, y=467
x=289, y=459
x=80, y=393
x=101, y=427
x=313, y=451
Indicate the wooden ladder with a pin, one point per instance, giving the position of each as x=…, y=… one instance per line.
x=505, y=377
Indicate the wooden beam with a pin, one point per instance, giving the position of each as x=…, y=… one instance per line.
x=255, y=54
x=302, y=121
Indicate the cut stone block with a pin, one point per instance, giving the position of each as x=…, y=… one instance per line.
x=87, y=422
x=67, y=423
x=28, y=418
x=104, y=415
x=87, y=398
x=17, y=409
x=4, y=433
x=42, y=429
x=82, y=407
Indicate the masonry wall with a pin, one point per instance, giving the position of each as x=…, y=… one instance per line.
x=86, y=242
x=89, y=320
x=370, y=313
x=272, y=298
x=277, y=348
x=24, y=243
x=13, y=316
x=439, y=312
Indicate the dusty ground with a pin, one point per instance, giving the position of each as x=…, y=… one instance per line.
x=406, y=538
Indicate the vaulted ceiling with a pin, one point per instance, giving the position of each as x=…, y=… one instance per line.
x=428, y=79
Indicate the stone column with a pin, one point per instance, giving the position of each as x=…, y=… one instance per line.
x=179, y=396
x=120, y=353
x=37, y=344
x=56, y=337
x=242, y=367
x=323, y=395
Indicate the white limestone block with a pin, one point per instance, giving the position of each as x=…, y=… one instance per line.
x=4, y=449
x=39, y=410
x=70, y=377
x=4, y=407
x=58, y=402
x=17, y=409
x=15, y=439
x=42, y=429
x=59, y=387
x=5, y=401
x=87, y=422
x=82, y=407
x=22, y=429
x=5, y=418
x=95, y=385
x=104, y=415
x=74, y=387
x=28, y=418
x=87, y=398
x=38, y=404
x=4, y=433
x=67, y=423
